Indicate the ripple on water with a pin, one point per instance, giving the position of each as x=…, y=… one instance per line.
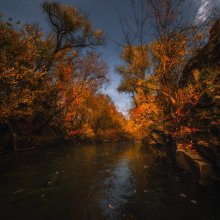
x=102, y=182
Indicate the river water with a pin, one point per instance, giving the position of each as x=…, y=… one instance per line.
x=120, y=181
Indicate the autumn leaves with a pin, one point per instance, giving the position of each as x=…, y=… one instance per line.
x=158, y=42
x=51, y=82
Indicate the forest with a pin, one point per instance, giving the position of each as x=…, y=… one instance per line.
x=50, y=84
x=171, y=70
x=67, y=150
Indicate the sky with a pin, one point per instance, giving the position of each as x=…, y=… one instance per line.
x=104, y=14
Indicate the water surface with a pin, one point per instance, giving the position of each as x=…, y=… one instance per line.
x=120, y=181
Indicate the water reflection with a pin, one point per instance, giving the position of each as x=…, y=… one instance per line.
x=100, y=182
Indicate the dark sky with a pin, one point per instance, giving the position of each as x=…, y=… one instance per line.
x=104, y=14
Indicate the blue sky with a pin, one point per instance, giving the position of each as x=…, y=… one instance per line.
x=104, y=14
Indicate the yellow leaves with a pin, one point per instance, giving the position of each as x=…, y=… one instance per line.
x=59, y=55
x=98, y=34
x=199, y=36
x=170, y=52
x=136, y=58
x=87, y=131
x=196, y=75
x=77, y=81
x=20, y=82
x=187, y=96
x=145, y=110
x=184, y=122
x=145, y=115
x=184, y=146
x=185, y=130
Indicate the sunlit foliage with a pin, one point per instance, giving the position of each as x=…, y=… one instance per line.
x=49, y=84
x=153, y=70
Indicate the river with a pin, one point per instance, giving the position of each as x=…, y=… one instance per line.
x=95, y=182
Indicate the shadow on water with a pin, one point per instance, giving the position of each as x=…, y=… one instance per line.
x=121, y=181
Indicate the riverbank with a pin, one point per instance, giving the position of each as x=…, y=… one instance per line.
x=203, y=171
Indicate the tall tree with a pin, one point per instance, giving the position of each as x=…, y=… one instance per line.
x=168, y=34
x=43, y=76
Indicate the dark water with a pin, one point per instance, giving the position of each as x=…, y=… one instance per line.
x=100, y=182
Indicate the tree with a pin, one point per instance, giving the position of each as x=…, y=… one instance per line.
x=79, y=81
x=171, y=35
x=72, y=29
x=137, y=63
x=44, y=78
x=21, y=84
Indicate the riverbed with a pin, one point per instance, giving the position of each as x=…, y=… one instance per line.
x=95, y=182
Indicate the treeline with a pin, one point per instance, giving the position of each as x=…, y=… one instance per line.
x=50, y=83
x=171, y=70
